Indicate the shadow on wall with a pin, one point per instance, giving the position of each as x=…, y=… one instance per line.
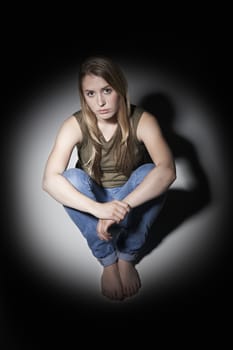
x=180, y=204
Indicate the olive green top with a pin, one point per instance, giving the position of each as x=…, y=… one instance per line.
x=111, y=177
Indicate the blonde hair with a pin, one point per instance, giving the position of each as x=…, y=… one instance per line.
x=108, y=70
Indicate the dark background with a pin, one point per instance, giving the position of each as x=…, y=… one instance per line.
x=32, y=314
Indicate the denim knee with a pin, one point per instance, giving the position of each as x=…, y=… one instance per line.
x=142, y=171
x=77, y=177
x=146, y=168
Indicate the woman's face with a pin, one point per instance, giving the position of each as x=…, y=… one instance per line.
x=101, y=98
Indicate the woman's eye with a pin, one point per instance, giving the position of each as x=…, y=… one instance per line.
x=90, y=93
x=107, y=91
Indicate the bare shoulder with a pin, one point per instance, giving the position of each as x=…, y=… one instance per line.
x=148, y=126
x=70, y=129
x=71, y=122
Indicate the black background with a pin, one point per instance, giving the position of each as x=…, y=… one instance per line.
x=32, y=313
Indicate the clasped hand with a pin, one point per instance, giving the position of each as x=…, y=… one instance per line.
x=111, y=212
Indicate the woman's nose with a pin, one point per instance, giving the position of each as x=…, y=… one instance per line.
x=101, y=101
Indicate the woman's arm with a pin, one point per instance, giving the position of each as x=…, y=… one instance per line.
x=57, y=186
x=164, y=174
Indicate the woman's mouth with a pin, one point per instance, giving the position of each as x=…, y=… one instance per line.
x=103, y=111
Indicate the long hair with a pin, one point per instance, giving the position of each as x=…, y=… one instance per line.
x=124, y=156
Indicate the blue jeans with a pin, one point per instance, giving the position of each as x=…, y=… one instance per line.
x=128, y=236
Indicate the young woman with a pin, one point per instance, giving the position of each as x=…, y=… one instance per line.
x=124, y=168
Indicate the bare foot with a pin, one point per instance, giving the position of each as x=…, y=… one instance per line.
x=111, y=283
x=129, y=278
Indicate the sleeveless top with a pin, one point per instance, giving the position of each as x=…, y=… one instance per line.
x=111, y=177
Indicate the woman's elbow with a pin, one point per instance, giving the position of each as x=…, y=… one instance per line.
x=45, y=184
x=171, y=175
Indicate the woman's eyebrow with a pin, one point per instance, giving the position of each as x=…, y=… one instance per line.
x=103, y=88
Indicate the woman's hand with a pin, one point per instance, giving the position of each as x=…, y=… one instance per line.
x=114, y=210
x=102, y=229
